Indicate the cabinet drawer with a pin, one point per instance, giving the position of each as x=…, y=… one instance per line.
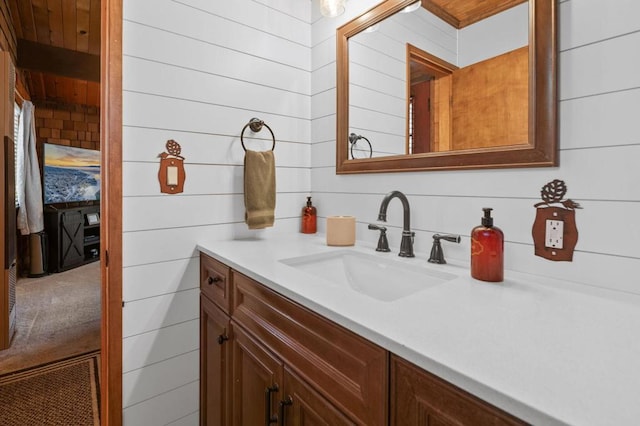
x=215, y=282
x=351, y=372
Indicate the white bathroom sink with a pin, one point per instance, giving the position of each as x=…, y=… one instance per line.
x=381, y=278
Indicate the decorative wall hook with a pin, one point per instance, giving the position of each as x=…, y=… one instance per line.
x=171, y=174
x=555, y=233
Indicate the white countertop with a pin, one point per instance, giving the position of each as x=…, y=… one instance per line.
x=549, y=352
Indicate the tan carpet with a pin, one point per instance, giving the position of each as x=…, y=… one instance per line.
x=62, y=393
x=57, y=316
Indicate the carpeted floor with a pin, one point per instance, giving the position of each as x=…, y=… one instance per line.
x=57, y=316
x=61, y=393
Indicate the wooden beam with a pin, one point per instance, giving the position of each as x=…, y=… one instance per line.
x=58, y=61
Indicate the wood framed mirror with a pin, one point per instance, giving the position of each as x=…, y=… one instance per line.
x=488, y=115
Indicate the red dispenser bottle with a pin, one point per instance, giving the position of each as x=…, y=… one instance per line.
x=309, y=218
x=487, y=250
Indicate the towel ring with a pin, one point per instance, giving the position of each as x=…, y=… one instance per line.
x=353, y=139
x=255, y=124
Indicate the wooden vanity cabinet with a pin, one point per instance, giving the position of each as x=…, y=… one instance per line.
x=419, y=397
x=265, y=359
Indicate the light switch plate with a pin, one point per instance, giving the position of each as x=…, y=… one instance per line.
x=554, y=234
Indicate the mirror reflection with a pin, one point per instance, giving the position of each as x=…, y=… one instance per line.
x=459, y=84
x=418, y=84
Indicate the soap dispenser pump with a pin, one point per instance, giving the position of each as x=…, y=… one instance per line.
x=487, y=250
x=309, y=218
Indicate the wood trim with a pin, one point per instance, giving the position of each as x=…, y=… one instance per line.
x=542, y=149
x=111, y=231
x=34, y=56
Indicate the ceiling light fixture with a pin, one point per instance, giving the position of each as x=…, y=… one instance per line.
x=412, y=7
x=332, y=8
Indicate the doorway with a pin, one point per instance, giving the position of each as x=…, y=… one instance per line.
x=109, y=59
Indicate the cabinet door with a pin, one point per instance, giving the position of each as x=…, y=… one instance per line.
x=303, y=406
x=351, y=372
x=71, y=238
x=420, y=398
x=256, y=381
x=214, y=362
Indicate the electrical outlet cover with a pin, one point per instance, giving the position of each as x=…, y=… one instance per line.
x=555, y=233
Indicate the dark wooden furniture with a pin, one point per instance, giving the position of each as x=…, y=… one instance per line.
x=73, y=239
x=265, y=359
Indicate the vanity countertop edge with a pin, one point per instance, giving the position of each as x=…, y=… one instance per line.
x=547, y=351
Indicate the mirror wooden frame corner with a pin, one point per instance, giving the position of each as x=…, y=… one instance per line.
x=542, y=149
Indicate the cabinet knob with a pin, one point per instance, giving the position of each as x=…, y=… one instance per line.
x=222, y=338
x=212, y=280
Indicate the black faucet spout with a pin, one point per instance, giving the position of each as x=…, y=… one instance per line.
x=406, y=245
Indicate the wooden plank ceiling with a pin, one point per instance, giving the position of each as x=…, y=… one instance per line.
x=58, y=30
x=460, y=13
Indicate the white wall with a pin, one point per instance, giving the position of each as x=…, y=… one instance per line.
x=197, y=71
x=599, y=90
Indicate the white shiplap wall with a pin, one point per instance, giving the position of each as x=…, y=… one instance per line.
x=599, y=90
x=196, y=71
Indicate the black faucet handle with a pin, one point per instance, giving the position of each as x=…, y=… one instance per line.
x=437, y=254
x=383, y=243
x=447, y=237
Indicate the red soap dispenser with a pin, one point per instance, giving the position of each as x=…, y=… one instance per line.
x=487, y=250
x=309, y=218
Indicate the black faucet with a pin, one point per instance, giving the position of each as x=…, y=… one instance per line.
x=406, y=245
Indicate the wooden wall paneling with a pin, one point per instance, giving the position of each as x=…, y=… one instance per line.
x=64, y=87
x=41, y=21
x=490, y=102
x=83, y=24
x=56, y=30
x=94, y=28
x=93, y=93
x=70, y=40
x=49, y=87
x=80, y=91
x=111, y=212
x=25, y=20
x=7, y=31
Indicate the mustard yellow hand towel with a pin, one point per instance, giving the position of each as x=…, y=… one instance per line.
x=259, y=188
